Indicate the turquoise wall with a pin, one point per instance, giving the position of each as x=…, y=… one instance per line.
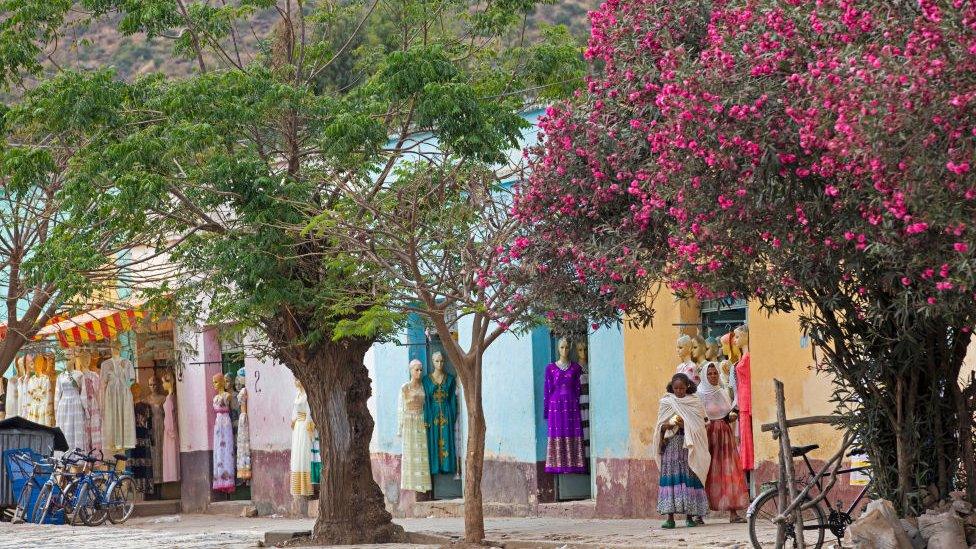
x=609, y=421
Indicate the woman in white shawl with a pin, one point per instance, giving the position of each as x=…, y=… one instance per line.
x=681, y=451
x=725, y=485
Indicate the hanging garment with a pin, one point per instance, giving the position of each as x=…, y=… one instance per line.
x=92, y=404
x=12, y=404
x=743, y=376
x=23, y=396
x=316, y=459
x=69, y=410
x=118, y=414
x=157, y=437
x=440, y=412
x=301, y=447
x=38, y=387
x=566, y=451
x=414, y=464
x=171, y=442
x=243, y=438
x=140, y=457
x=223, y=442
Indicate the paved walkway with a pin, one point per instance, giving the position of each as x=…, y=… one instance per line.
x=211, y=532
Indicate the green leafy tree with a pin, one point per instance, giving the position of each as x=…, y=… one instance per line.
x=235, y=162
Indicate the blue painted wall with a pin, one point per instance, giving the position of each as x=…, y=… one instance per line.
x=609, y=421
x=391, y=360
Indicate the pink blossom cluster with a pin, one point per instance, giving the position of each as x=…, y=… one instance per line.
x=720, y=147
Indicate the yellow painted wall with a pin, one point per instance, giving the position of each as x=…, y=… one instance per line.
x=650, y=359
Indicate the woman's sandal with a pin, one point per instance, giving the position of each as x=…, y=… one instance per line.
x=690, y=523
x=668, y=524
x=737, y=520
x=700, y=521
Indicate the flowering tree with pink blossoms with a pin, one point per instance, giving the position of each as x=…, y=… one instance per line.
x=815, y=156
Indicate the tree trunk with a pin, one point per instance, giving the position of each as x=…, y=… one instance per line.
x=902, y=454
x=966, y=451
x=474, y=461
x=351, y=506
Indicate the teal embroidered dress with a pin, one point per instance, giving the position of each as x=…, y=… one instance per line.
x=441, y=414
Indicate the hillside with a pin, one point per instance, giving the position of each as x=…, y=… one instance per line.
x=100, y=44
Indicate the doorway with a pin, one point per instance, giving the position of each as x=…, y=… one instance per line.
x=576, y=486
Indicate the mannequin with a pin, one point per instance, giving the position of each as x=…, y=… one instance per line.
x=743, y=392
x=223, y=437
x=687, y=366
x=69, y=408
x=731, y=353
x=712, y=350
x=118, y=413
x=171, y=443
x=38, y=387
x=90, y=399
x=243, y=429
x=155, y=399
x=301, y=444
x=141, y=457
x=582, y=358
x=415, y=465
x=440, y=413
x=52, y=382
x=566, y=452
x=12, y=404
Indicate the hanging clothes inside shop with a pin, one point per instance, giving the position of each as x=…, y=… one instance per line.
x=92, y=405
x=171, y=442
x=140, y=458
x=118, y=412
x=156, y=400
x=69, y=410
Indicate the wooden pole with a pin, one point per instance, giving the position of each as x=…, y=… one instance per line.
x=787, y=474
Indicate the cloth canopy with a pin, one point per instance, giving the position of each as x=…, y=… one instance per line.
x=92, y=326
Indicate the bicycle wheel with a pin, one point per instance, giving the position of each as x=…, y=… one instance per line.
x=20, y=512
x=762, y=529
x=95, y=513
x=42, y=504
x=68, y=501
x=121, y=499
x=81, y=499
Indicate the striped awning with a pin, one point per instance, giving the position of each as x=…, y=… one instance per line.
x=92, y=326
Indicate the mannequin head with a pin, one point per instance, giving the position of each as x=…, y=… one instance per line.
x=240, y=380
x=711, y=349
x=220, y=383
x=729, y=349
x=698, y=349
x=299, y=386
x=21, y=365
x=168, y=383
x=153, y=384
x=562, y=349
x=40, y=365
x=438, y=360
x=581, y=352
x=416, y=370
x=116, y=349
x=684, y=347
x=741, y=336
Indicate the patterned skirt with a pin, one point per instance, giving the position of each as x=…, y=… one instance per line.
x=726, y=483
x=243, y=447
x=415, y=467
x=679, y=490
x=223, y=453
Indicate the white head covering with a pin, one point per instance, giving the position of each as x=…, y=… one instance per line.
x=714, y=398
x=690, y=409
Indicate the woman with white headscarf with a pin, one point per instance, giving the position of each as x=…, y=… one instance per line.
x=680, y=446
x=725, y=485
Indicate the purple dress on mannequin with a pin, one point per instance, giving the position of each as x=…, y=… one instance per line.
x=566, y=451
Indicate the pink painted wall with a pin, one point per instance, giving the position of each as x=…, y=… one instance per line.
x=271, y=394
x=195, y=392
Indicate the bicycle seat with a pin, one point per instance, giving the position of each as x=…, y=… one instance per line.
x=119, y=457
x=798, y=451
x=855, y=451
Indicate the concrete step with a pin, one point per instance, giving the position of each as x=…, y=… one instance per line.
x=154, y=508
x=233, y=508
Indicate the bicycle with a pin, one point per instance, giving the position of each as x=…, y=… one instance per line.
x=766, y=506
x=57, y=494
x=104, y=494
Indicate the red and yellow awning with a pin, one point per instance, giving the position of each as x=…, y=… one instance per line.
x=92, y=326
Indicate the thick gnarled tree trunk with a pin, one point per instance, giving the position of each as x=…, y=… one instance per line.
x=351, y=505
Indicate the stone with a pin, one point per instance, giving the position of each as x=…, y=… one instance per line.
x=249, y=512
x=942, y=530
x=957, y=495
x=961, y=507
x=879, y=528
x=275, y=537
x=914, y=536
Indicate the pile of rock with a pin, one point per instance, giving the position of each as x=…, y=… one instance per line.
x=948, y=525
